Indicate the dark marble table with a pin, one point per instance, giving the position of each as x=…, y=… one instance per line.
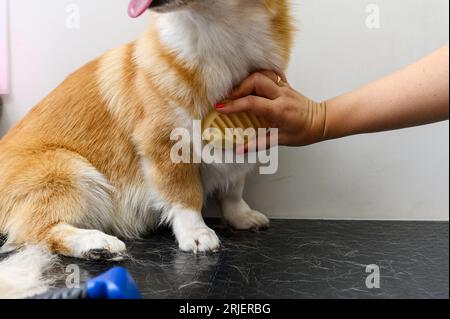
x=295, y=259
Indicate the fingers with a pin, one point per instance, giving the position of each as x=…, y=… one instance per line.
x=283, y=77
x=273, y=75
x=257, y=94
x=251, y=103
x=262, y=84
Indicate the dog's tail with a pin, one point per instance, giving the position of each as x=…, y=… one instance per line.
x=22, y=274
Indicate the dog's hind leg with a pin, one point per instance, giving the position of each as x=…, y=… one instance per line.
x=51, y=195
x=237, y=212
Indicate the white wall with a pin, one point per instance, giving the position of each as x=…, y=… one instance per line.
x=4, y=47
x=396, y=175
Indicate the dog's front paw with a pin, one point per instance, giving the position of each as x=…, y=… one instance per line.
x=201, y=239
x=250, y=219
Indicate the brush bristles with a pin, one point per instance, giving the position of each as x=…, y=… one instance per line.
x=229, y=130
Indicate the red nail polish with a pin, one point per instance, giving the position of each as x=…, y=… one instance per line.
x=220, y=105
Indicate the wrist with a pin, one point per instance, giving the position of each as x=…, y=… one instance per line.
x=313, y=130
x=338, y=118
x=321, y=113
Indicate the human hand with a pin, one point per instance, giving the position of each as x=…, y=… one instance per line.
x=299, y=120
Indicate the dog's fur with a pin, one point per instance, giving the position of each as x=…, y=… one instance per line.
x=92, y=158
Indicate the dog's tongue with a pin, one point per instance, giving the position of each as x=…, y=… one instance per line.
x=138, y=7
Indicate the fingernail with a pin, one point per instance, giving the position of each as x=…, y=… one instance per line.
x=220, y=105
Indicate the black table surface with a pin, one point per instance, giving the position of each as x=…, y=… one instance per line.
x=294, y=259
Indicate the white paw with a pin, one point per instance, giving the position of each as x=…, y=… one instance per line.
x=251, y=219
x=94, y=244
x=201, y=239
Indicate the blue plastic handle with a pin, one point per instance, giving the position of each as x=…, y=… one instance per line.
x=117, y=283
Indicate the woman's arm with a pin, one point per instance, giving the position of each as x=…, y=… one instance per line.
x=416, y=95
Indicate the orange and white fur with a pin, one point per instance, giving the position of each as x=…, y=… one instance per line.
x=91, y=162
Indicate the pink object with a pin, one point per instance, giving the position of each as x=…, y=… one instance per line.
x=138, y=7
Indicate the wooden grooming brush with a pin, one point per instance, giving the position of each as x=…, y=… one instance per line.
x=222, y=130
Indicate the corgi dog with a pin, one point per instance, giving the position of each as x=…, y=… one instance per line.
x=91, y=162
